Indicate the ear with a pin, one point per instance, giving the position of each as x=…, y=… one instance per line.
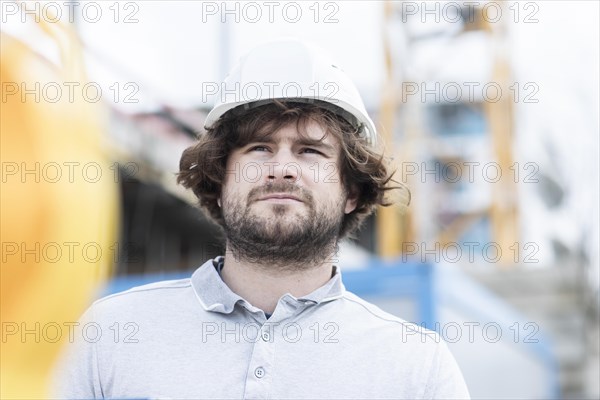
x=351, y=201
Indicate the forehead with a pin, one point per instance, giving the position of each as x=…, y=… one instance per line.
x=300, y=131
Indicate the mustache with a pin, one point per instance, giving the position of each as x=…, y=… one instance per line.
x=279, y=187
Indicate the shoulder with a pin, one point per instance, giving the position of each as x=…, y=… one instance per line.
x=406, y=349
x=155, y=289
x=153, y=297
x=150, y=289
x=372, y=317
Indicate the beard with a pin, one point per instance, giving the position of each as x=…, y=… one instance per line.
x=290, y=237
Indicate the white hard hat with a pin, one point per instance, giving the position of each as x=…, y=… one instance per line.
x=289, y=69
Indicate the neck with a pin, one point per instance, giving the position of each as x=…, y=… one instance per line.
x=263, y=283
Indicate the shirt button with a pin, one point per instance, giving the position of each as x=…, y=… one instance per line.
x=265, y=336
x=259, y=372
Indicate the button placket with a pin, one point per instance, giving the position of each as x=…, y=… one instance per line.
x=258, y=383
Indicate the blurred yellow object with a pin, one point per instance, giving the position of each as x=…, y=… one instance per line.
x=56, y=214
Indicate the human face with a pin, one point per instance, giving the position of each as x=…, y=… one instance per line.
x=283, y=199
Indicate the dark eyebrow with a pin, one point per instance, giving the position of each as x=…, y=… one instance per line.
x=267, y=139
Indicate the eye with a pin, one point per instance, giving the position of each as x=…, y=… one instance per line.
x=310, y=150
x=259, y=148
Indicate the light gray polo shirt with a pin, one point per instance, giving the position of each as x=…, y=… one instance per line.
x=195, y=338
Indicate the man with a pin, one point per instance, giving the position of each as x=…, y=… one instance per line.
x=286, y=176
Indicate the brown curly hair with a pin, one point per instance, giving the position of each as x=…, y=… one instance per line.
x=364, y=170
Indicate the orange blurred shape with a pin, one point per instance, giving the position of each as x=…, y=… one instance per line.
x=55, y=214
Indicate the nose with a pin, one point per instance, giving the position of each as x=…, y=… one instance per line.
x=282, y=167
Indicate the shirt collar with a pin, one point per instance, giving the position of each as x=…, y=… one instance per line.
x=215, y=295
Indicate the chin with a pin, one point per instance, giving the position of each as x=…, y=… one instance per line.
x=284, y=224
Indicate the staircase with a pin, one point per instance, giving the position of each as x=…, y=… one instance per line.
x=555, y=298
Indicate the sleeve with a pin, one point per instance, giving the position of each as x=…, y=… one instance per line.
x=76, y=374
x=446, y=380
